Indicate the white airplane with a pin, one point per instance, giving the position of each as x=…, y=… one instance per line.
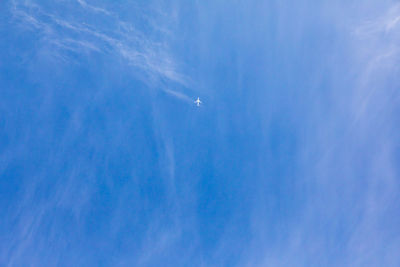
x=198, y=102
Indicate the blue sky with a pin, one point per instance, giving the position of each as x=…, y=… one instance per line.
x=292, y=160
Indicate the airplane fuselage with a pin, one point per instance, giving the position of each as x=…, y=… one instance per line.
x=198, y=102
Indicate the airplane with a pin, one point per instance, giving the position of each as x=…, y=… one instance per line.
x=198, y=102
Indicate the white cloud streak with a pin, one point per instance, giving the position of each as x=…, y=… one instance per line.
x=94, y=8
x=121, y=37
x=179, y=95
x=347, y=172
x=147, y=56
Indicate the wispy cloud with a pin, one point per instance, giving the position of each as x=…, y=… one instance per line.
x=385, y=23
x=145, y=55
x=179, y=95
x=346, y=176
x=94, y=8
x=139, y=50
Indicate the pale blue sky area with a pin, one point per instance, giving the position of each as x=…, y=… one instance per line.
x=293, y=158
